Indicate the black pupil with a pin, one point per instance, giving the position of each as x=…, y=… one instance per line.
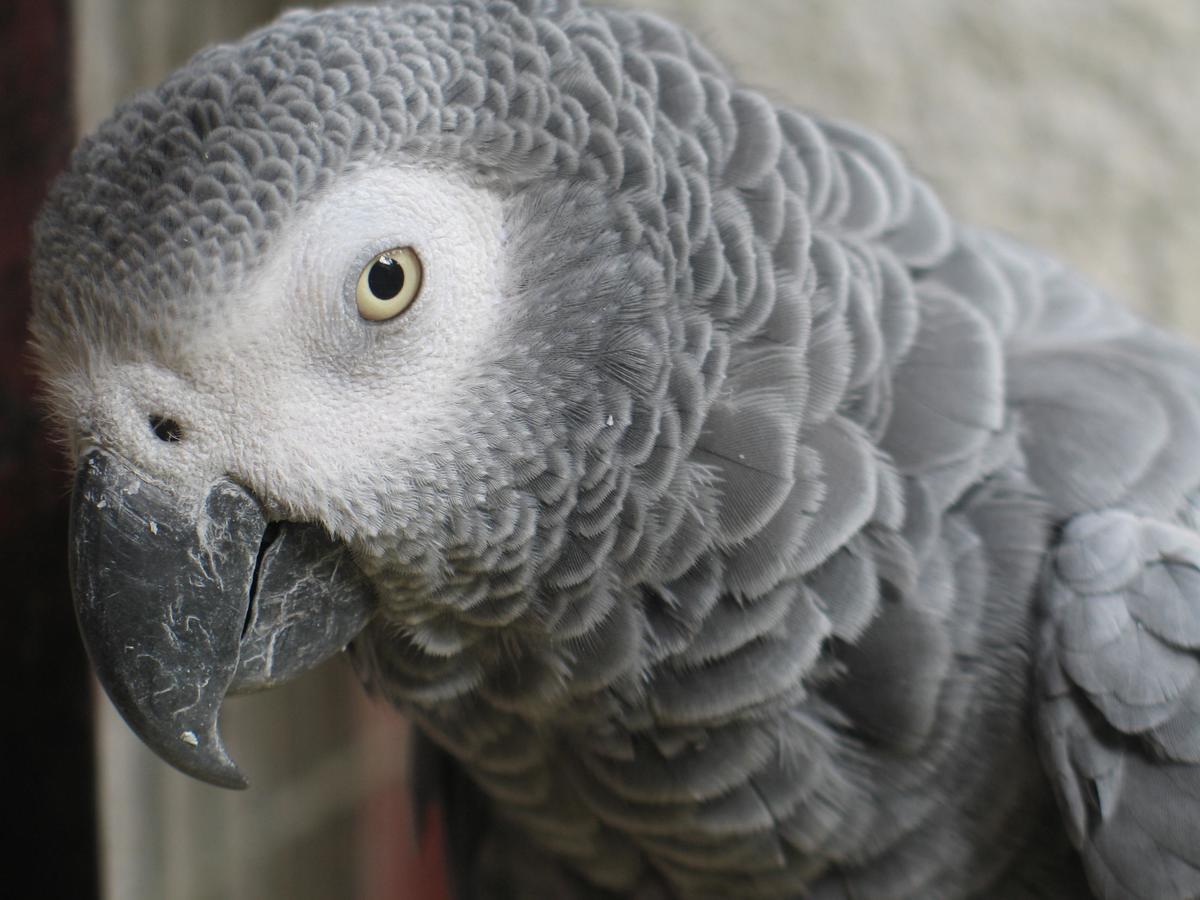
x=386, y=278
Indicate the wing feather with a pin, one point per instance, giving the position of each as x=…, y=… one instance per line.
x=1119, y=701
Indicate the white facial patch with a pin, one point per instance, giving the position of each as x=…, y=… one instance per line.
x=289, y=389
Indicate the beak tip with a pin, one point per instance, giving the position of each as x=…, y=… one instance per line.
x=234, y=781
x=210, y=764
x=231, y=779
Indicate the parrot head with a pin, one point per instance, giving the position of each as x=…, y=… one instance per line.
x=353, y=328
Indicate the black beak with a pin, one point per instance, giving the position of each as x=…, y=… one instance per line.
x=180, y=607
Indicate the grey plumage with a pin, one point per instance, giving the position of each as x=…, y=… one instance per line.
x=783, y=522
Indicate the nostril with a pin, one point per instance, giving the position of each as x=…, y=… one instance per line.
x=166, y=430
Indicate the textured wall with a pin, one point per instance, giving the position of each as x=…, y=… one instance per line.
x=1071, y=124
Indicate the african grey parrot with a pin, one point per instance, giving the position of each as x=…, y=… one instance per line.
x=731, y=520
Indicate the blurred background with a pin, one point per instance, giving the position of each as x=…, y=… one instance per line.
x=1071, y=124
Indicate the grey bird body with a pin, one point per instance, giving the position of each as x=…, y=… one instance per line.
x=739, y=524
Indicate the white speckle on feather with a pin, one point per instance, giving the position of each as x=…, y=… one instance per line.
x=101, y=503
x=189, y=738
x=609, y=421
x=153, y=527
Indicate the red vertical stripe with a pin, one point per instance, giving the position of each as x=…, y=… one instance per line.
x=396, y=864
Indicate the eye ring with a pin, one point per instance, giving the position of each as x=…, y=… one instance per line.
x=388, y=284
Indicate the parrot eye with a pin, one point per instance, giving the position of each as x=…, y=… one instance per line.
x=389, y=284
